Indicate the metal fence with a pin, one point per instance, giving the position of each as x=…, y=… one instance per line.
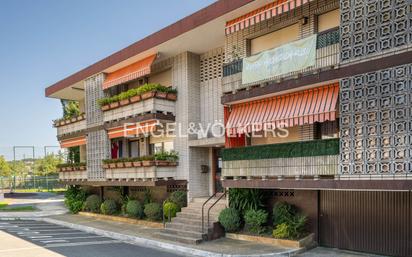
x=35, y=183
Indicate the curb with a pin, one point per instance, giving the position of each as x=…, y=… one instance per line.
x=187, y=251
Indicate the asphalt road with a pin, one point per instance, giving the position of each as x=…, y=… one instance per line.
x=41, y=239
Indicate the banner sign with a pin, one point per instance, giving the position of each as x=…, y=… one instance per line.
x=291, y=57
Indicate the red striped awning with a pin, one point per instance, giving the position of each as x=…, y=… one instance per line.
x=133, y=129
x=130, y=72
x=72, y=142
x=266, y=12
x=294, y=109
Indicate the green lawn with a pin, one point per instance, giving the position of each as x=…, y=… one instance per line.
x=35, y=190
x=4, y=207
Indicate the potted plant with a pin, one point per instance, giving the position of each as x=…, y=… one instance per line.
x=148, y=161
x=120, y=163
x=114, y=105
x=105, y=107
x=137, y=162
x=171, y=96
x=106, y=166
x=161, y=94
x=135, y=98
x=161, y=158
x=128, y=163
x=149, y=94
x=112, y=164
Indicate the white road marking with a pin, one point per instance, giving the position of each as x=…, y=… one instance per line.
x=74, y=237
x=29, y=232
x=54, y=241
x=85, y=243
x=38, y=237
x=57, y=234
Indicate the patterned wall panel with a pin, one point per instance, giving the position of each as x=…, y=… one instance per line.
x=94, y=92
x=369, y=27
x=376, y=127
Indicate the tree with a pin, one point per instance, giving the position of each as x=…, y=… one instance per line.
x=70, y=109
x=19, y=168
x=5, y=170
x=47, y=165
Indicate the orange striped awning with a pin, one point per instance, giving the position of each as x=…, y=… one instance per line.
x=72, y=142
x=263, y=13
x=133, y=129
x=294, y=109
x=130, y=72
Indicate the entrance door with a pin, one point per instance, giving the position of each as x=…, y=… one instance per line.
x=217, y=170
x=376, y=222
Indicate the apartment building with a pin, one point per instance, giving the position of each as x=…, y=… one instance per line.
x=315, y=96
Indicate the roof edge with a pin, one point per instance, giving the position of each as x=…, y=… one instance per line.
x=186, y=24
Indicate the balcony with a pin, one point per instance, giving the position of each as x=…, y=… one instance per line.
x=298, y=159
x=327, y=57
x=70, y=126
x=73, y=172
x=133, y=103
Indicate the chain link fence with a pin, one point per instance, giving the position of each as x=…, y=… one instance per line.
x=31, y=183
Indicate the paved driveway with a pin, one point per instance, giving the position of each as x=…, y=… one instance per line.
x=37, y=238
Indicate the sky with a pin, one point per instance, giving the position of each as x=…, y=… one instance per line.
x=44, y=41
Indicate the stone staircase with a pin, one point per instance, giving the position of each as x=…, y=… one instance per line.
x=186, y=227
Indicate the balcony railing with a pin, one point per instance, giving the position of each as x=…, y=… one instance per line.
x=327, y=55
x=74, y=172
x=69, y=126
x=309, y=158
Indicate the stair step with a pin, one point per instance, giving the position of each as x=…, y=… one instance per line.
x=184, y=233
x=177, y=238
x=214, y=212
x=197, y=222
x=186, y=227
x=204, y=199
x=196, y=216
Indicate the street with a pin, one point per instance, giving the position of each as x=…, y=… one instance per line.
x=21, y=238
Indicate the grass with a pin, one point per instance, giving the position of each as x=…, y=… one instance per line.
x=4, y=207
x=58, y=191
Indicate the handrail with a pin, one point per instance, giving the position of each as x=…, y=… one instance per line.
x=208, y=211
x=203, y=206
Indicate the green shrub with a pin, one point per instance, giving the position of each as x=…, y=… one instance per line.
x=245, y=199
x=283, y=212
x=153, y=211
x=229, y=218
x=134, y=209
x=179, y=198
x=254, y=219
x=172, y=208
x=74, y=199
x=92, y=203
x=172, y=156
x=281, y=231
x=108, y=207
x=147, y=197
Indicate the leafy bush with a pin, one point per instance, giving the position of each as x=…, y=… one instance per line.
x=245, y=199
x=254, y=220
x=134, y=92
x=92, y=203
x=134, y=209
x=147, y=197
x=171, y=156
x=71, y=109
x=153, y=211
x=229, y=218
x=283, y=212
x=179, y=198
x=74, y=199
x=108, y=207
x=288, y=222
x=171, y=208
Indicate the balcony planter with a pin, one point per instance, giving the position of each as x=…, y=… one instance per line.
x=135, y=99
x=137, y=164
x=114, y=105
x=148, y=95
x=120, y=165
x=124, y=102
x=82, y=168
x=171, y=96
x=148, y=163
x=128, y=164
x=173, y=164
x=105, y=107
x=106, y=166
x=112, y=165
x=162, y=95
x=162, y=163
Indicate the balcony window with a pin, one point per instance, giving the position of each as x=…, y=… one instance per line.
x=274, y=39
x=328, y=20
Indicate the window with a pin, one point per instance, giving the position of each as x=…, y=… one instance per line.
x=134, y=150
x=328, y=20
x=274, y=39
x=161, y=146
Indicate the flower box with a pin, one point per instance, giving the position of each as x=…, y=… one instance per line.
x=106, y=166
x=124, y=102
x=114, y=105
x=171, y=96
x=135, y=98
x=162, y=163
x=82, y=168
x=120, y=165
x=128, y=164
x=112, y=165
x=137, y=164
x=173, y=164
x=105, y=107
x=148, y=95
x=148, y=163
x=162, y=95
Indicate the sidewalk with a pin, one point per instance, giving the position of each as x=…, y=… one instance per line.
x=145, y=236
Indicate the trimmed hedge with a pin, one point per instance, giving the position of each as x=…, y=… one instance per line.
x=134, y=209
x=92, y=203
x=285, y=150
x=153, y=211
x=171, y=207
x=229, y=218
x=108, y=207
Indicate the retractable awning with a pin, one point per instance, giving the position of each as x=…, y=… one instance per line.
x=133, y=129
x=266, y=12
x=72, y=142
x=294, y=109
x=130, y=72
